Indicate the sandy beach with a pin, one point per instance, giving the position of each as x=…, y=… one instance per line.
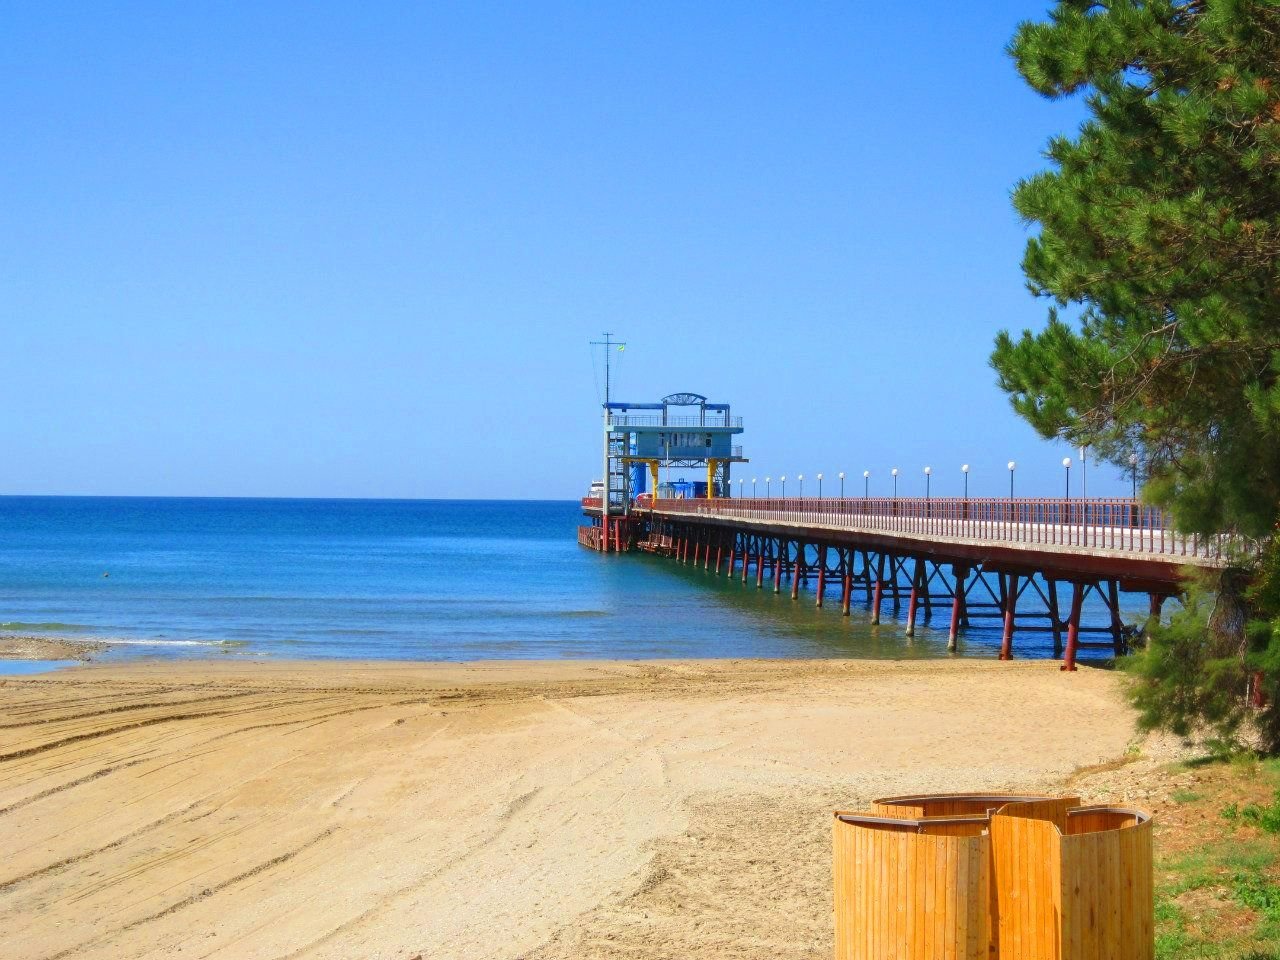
x=495, y=810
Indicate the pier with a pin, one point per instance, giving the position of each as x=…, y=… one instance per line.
x=1029, y=564
x=1058, y=566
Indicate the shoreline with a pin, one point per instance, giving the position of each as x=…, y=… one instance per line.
x=24, y=647
x=117, y=650
x=500, y=809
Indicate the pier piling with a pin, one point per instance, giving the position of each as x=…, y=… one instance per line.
x=934, y=551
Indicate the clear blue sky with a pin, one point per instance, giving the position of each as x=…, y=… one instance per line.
x=358, y=250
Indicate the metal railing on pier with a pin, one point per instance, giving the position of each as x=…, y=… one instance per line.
x=1117, y=524
x=712, y=419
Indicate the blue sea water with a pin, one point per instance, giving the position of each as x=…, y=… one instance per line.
x=396, y=579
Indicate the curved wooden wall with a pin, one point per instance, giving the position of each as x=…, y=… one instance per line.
x=1073, y=885
x=1037, y=879
x=911, y=888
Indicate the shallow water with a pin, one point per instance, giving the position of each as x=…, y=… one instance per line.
x=22, y=668
x=427, y=580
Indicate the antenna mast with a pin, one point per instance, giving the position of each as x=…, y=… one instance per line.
x=608, y=343
x=606, y=494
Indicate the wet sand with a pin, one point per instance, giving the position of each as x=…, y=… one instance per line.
x=48, y=648
x=541, y=810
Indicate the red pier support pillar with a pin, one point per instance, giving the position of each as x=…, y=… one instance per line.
x=795, y=572
x=1055, y=621
x=913, y=602
x=846, y=590
x=777, y=568
x=1010, y=605
x=1155, y=604
x=822, y=573
x=1257, y=696
x=1073, y=626
x=961, y=574
x=760, y=566
x=1117, y=622
x=719, y=554
x=733, y=559
x=877, y=596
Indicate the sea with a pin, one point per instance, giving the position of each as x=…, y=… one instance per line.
x=401, y=580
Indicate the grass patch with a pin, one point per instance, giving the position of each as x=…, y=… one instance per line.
x=1218, y=862
x=1266, y=818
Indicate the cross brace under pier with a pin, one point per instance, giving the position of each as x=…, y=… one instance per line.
x=1021, y=599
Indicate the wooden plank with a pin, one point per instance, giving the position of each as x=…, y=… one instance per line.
x=903, y=890
x=1042, y=883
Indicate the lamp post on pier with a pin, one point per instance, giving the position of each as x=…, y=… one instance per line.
x=1012, y=466
x=740, y=488
x=1084, y=472
x=841, y=484
x=1133, y=467
x=894, y=471
x=800, y=478
x=753, y=488
x=1066, y=465
x=819, y=486
x=928, y=476
x=866, y=484
x=783, y=480
x=767, y=487
x=964, y=468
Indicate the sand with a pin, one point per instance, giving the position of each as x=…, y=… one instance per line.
x=541, y=810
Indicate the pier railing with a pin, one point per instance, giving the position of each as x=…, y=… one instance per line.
x=1119, y=524
x=713, y=419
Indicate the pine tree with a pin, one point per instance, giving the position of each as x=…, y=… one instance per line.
x=1159, y=244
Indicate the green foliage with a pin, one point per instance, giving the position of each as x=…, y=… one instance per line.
x=1191, y=682
x=1259, y=893
x=1158, y=243
x=1265, y=818
x=1160, y=220
x=1186, y=686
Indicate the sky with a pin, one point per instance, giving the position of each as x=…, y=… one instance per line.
x=360, y=250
